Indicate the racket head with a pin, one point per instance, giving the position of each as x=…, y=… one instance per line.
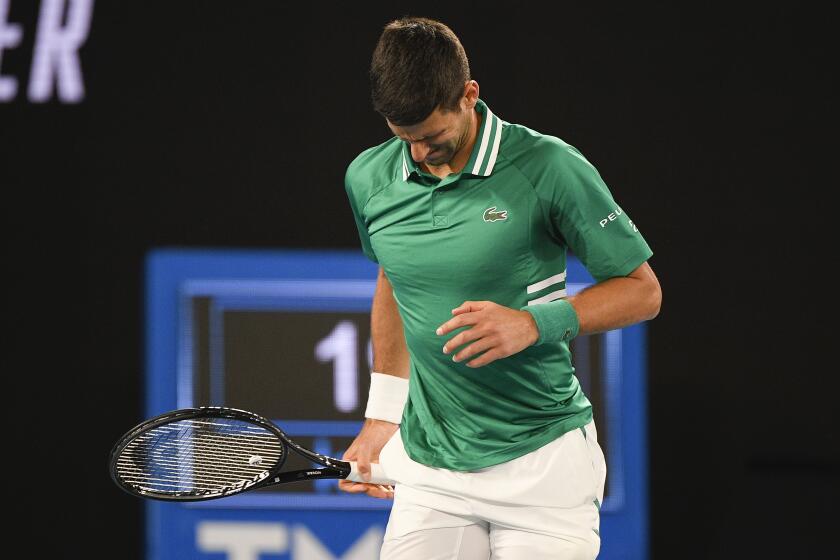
x=198, y=454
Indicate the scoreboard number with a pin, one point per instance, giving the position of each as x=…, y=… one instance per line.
x=340, y=347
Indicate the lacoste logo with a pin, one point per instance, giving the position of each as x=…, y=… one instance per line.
x=490, y=215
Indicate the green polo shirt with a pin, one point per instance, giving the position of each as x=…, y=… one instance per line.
x=498, y=231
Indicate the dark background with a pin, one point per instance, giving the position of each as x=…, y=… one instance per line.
x=231, y=124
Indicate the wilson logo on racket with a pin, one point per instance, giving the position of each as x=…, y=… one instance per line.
x=491, y=215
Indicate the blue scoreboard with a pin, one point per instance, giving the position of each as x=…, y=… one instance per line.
x=287, y=335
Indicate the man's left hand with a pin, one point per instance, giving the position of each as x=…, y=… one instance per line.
x=496, y=330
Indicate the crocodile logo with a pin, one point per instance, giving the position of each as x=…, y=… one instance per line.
x=491, y=215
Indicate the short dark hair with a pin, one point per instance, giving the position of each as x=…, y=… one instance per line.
x=417, y=65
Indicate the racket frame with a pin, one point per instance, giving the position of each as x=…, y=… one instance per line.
x=333, y=468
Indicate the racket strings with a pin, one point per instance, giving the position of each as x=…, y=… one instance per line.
x=199, y=457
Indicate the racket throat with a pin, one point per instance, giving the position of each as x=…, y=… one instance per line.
x=308, y=474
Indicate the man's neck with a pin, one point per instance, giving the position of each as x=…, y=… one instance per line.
x=457, y=163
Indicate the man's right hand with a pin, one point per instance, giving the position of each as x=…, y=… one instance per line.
x=365, y=450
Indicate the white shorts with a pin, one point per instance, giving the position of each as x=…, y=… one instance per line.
x=541, y=505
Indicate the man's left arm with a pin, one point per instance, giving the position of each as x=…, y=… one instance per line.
x=500, y=331
x=618, y=302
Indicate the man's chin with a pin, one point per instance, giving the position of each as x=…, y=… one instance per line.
x=438, y=161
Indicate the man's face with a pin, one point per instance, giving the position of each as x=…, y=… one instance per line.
x=437, y=139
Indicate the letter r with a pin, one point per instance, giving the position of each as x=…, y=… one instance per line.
x=56, y=50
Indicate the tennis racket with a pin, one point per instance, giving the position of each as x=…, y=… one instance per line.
x=206, y=453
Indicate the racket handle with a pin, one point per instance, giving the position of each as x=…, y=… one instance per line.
x=377, y=474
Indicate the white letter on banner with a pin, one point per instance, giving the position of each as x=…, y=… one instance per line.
x=10, y=35
x=307, y=547
x=241, y=541
x=56, y=50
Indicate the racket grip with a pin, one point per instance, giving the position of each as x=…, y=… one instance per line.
x=377, y=474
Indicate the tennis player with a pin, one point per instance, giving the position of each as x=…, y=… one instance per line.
x=474, y=408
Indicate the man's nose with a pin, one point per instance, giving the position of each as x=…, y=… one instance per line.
x=419, y=151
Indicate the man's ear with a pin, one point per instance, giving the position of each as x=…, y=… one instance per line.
x=470, y=95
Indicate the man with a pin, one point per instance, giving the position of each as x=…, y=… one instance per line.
x=474, y=408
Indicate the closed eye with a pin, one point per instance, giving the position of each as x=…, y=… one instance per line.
x=425, y=138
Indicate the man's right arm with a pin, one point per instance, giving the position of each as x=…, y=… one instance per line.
x=390, y=354
x=390, y=357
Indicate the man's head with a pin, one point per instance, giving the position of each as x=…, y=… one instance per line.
x=420, y=82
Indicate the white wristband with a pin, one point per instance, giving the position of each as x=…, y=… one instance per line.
x=387, y=397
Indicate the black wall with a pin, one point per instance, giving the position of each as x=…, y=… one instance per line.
x=230, y=125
